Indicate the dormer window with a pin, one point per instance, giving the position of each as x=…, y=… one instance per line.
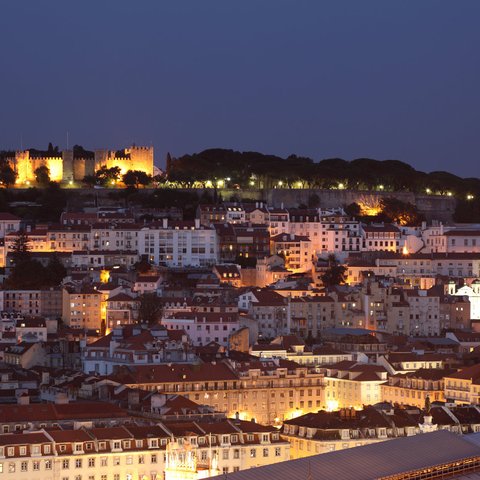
x=154, y=443
x=117, y=445
x=126, y=444
x=102, y=445
x=79, y=447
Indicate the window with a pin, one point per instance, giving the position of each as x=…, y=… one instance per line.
x=253, y=453
x=78, y=447
x=65, y=464
x=23, y=450
x=225, y=454
x=153, y=458
x=78, y=463
x=129, y=460
x=36, y=465
x=24, y=466
x=116, y=461
x=236, y=453
x=103, y=461
x=265, y=452
x=141, y=459
x=48, y=464
x=91, y=462
x=278, y=451
x=11, y=467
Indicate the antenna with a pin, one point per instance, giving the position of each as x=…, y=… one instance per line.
x=21, y=141
x=67, y=139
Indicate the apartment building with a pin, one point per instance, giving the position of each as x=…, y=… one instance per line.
x=9, y=223
x=296, y=250
x=318, y=311
x=268, y=391
x=140, y=452
x=385, y=237
x=323, y=432
x=269, y=309
x=414, y=387
x=122, y=309
x=178, y=244
x=45, y=303
x=352, y=384
x=85, y=306
x=463, y=387
x=136, y=345
x=204, y=327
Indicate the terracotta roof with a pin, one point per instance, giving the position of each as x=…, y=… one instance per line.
x=23, y=438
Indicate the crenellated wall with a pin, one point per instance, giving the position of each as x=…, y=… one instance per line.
x=66, y=168
x=133, y=158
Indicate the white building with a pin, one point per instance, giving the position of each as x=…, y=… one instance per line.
x=179, y=244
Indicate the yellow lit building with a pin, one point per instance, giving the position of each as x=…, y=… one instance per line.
x=414, y=387
x=267, y=391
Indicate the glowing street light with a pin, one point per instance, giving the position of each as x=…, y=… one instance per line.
x=381, y=187
x=341, y=186
x=449, y=194
x=428, y=190
x=220, y=183
x=228, y=179
x=252, y=183
x=280, y=183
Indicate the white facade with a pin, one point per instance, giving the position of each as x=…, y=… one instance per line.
x=180, y=244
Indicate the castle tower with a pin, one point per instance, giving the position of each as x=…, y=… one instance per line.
x=67, y=156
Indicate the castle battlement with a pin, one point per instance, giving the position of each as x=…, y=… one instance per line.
x=67, y=168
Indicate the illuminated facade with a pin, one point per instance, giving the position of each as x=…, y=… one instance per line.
x=69, y=166
x=267, y=391
x=186, y=451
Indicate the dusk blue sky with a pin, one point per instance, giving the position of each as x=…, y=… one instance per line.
x=380, y=79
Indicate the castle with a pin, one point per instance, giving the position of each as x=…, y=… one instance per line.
x=71, y=166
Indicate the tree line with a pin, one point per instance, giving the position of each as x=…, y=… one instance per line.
x=247, y=169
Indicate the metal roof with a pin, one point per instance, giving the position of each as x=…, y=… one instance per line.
x=371, y=461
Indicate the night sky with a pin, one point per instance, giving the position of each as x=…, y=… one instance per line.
x=381, y=79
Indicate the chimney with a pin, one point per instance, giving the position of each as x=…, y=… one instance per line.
x=197, y=223
x=164, y=222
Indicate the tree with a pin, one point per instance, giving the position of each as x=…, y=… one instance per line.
x=42, y=175
x=55, y=272
x=20, y=248
x=335, y=273
x=150, y=309
x=142, y=266
x=403, y=213
x=135, y=178
x=353, y=209
x=107, y=176
x=89, y=180
x=8, y=176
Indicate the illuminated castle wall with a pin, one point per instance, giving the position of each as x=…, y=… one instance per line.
x=67, y=168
